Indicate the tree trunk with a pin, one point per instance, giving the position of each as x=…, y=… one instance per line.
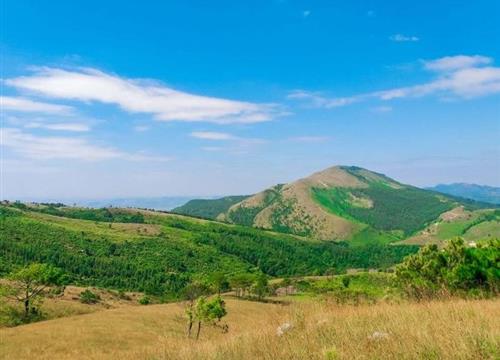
x=190, y=327
x=26, y=307
x=198, y=331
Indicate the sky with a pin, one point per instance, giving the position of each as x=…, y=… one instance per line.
x=103, y=99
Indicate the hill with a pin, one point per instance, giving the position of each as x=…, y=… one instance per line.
x=489, y=194
x=160, y=253
x=208, y=208
x=460, y=222
x=343, y=203
x=455, y=329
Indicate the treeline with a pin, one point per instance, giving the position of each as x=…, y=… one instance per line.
x=103, y=214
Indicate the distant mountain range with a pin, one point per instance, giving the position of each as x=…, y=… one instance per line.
x=339, y=203
x=165, y=203
x=489, y=194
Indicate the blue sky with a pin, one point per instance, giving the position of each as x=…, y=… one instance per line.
x=120, y=99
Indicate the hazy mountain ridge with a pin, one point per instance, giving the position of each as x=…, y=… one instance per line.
x=484, y=193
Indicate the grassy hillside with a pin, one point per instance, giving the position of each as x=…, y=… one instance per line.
x=453, y=329
x=162, y=253
x=469, y=224
x=343, y=203
x=208, y=208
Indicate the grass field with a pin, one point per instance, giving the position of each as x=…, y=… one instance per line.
x=452, y=329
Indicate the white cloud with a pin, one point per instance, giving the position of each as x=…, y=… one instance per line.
x=76, y=127
x=140, y=96
x=459, y=76
x=457, y=62
x=56, y=147
x=19, y=104
x=210, y=135
x=403, y=38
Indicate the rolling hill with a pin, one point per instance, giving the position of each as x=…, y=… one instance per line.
x=160, y=253
x=341, y=203
x=208, y=208
x=489, y=194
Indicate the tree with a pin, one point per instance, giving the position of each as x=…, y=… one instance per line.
x=192, y=292
x=28, y=284
x=241, y=283
x=209, y=312
x=219, y=282
x=261, y=288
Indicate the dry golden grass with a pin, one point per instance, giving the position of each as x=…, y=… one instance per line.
x=454, y=329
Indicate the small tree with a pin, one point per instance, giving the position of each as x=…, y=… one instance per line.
x=241, y=283
x=209, y=312
x=28, y=284
x=219, y=282
x=192, y=292
x=261, y=288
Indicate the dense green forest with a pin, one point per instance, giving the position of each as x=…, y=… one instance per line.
x=163, y=253
x=408, y=209
x=208, y=208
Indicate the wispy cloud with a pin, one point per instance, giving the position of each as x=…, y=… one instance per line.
x=403, y=38
x=315, y=99
x=306, y=13
x=450, y=63
x=139, y=96
x=19, y=104
x=210, y=135
x=70, y=148
x=76, y=127
x=456, y=76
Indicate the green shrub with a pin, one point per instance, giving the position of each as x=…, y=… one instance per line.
x=145, y=300
x=88, y=297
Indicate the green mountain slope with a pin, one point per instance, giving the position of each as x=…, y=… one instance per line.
x=208, y=208
x=161, y=253
x=344, y=203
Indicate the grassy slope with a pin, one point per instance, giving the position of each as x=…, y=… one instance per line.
x=475, y=225
x=454, y=329
x=208, y=208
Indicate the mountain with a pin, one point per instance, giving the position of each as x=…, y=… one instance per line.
x=342, y=203
x=484, y=193
x=206, y=208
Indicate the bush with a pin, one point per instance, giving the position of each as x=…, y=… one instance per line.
x=145, y=300
x=88, y=297
x=456, y=269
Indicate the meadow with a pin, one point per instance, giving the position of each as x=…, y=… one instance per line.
x=445, y=329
